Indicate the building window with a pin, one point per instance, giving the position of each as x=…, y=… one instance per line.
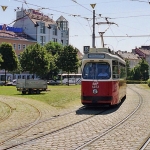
x=19, y=57
x=14, y=45
x=61, y=34
x=23, y=46
x=42, y=27
x=19, y=46
x=42, y=40
x=55, y=31
x=54, y=40
x=67, y=42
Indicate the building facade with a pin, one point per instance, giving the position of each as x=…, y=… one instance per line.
x=41, y=27
x=133, y=59
x=19, y=41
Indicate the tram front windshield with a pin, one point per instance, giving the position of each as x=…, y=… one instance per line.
x=96, y=70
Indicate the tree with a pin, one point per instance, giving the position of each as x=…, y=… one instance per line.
x=144, y=69
x=128, y=70
x=1, y=60
x=36, y=60
x=54, y=49
x=136, y=74
x=68, y=60
x=140, y=71
x=10, y=60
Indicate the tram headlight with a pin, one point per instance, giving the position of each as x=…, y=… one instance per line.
x=95, y=91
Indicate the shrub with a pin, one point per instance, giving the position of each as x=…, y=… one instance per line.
x=148, y=82
x=136, y=82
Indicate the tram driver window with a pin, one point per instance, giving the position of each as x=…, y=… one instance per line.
x=94, y=70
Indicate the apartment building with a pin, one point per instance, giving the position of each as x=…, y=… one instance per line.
x=41, y=27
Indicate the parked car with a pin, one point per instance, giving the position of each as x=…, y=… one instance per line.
x=52, y=82
x=12, y=83
x=2, y=83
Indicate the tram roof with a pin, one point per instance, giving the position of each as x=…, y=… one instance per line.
x=106, y=51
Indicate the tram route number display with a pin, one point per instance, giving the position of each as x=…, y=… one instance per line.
x=86, y=49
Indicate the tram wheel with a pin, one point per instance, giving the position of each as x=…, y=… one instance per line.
x=23, y=92
x=37, y=91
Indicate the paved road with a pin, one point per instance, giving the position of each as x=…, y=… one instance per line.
x=130, y=135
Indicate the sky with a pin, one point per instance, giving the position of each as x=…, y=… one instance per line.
x=129, y=28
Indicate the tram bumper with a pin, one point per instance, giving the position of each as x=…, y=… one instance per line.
x=96, y=99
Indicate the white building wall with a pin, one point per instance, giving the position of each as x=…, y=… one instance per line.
x=29, y=28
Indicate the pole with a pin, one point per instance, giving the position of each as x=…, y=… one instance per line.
x=93, y=36
x=102, y=40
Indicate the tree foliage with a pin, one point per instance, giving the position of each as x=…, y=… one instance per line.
x=68, y=59
x=54, y=49
x=36, y=60
x=140, y=71
x=1, y=60
x=128, y=70
x=9, y=57
x=9, y=60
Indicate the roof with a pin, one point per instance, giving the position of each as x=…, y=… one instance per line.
x=128, y=55
x=40, y=17
x=19, y=36
x=61, y=18
x=79, y=54
x=147, y=52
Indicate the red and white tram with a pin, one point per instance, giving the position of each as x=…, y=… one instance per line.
x=99, y=87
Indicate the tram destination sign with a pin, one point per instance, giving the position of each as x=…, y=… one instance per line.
x=101, y=56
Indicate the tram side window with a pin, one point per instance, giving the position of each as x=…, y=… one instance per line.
x=122, y=70
x=115, y=69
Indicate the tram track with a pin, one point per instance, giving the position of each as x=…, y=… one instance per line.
x=114, y=126
x=30, y=139
x=28, y=127
x=5, y=111
x=146, y=142
x=39, y=121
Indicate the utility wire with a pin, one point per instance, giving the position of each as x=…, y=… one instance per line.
x=127, y=36
x=140, y=1
x=43, y=7
x=81, y=5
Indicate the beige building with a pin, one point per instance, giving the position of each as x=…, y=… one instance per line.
x=131, y=57
x=19, y=41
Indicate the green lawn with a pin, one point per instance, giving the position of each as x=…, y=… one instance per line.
x=58, y=96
